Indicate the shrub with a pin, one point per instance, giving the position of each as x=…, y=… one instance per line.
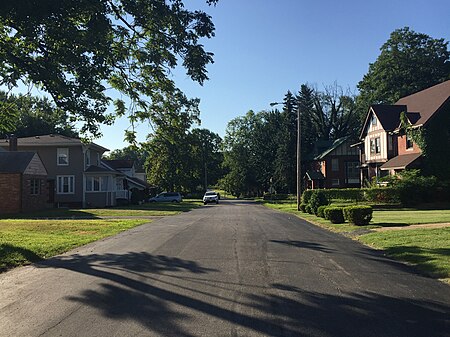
x=359, y=215
x=388, y=195
x=320, y=211
x=303, y=207
x=306, y=195
x=308, y=209
x=318, y=198
x=269, y=196
x=334, y=214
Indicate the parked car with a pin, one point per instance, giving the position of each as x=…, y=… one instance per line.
x=210, y=196
x=167, y=197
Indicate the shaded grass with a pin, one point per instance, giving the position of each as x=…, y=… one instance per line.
x=26, y=241
x=428, y=249
x=148, y=209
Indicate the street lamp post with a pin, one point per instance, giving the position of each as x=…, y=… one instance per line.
x=299, y=163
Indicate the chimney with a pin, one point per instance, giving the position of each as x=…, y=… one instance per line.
x=12, y=143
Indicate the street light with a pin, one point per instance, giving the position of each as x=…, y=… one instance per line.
x=299, y=167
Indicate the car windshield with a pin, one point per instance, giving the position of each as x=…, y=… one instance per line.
x=210, y=193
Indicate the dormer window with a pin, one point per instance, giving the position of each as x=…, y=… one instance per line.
x=409, y=142
x=62, y=156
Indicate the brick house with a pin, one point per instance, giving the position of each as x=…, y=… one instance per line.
x=76, y=177
x=336, y=165
x=386, y=150
x=23, y=182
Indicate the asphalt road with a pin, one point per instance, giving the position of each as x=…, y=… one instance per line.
x=233, y=269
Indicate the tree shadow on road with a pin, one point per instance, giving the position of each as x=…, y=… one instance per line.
x=134, y=288
x=304, y=244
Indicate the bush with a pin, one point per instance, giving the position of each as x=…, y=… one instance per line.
x=358, y=214
x=355, y=194
x=306, y=195
x=334, y=214
x=318, y=198
x=308, y=209
x=389, y=195
x=320, y=211
x=303, y=207
x=269, y=196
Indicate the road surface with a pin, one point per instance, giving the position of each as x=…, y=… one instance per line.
x=233, y=269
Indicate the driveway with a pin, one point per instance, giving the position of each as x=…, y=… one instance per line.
x=233, y=269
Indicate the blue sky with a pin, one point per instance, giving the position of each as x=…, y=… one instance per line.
x=263, y=48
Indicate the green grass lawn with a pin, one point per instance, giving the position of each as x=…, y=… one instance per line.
x=148, y=209
x=427, y=248
x=26, y=241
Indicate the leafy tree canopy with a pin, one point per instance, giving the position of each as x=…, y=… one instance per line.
x=32, y=116
x=409, y=62
x=78, y=50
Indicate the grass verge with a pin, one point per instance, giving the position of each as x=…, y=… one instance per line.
x=148, y=209
x=427, y=248
x=26, y=241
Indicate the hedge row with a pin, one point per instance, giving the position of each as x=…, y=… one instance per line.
x=359, y=215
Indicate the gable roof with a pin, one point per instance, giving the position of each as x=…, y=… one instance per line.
x=52, y=140
x=427, y=101
x=401, y=162
x=15, y=162
x=119, y=163
x=332, y=147
x=388, y=115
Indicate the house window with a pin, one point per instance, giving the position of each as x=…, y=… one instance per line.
x=87, y=159
x=334, y=182
x=62, y=154
x=65, y=184
x=97, y=184
x=352, y=172
x=335, y=164
x=409, y=142
x=374, y=119
x=35, y=186
x=375, y=145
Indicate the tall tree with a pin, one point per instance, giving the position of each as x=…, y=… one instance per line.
x=285, y=175
x=76, y=50
x=32, y=116
x=409, y=62
x=206, y=157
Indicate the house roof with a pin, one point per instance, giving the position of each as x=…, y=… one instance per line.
x=388, y=115
x=427, y=102
x=401, y=162
x=99, y=169
x=51, y=140
x=314, y=175
x=138, y=181
x=15, y=162
x=333, y=146
x=118, y=164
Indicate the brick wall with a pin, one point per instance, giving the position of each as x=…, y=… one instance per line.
x=32, y=202
x=10, y=193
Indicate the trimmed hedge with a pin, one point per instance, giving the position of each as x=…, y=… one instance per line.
x=318, y=198
x=308, y=209
x=334, y=214
x=320, y=211
x=268, y=196
x=303, y=207
x=358, y=214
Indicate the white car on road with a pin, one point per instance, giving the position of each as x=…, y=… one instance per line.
x=210, y=196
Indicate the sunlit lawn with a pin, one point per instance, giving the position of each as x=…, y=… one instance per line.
x=427, y=248
x=25, y=241
x=147, y=209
